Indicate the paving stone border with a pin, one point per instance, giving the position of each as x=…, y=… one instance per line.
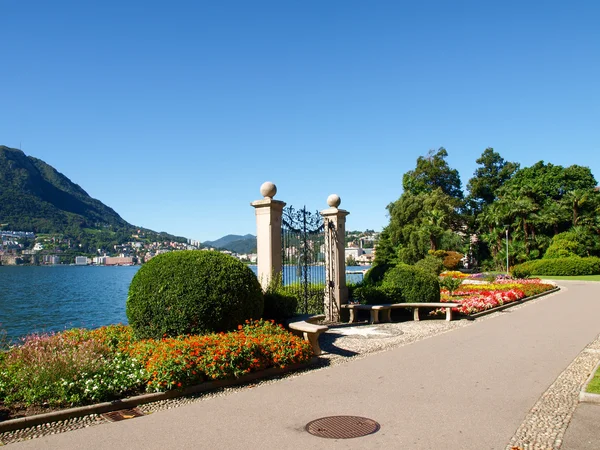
x=546, y=423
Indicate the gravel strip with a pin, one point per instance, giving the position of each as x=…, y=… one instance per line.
x=546, y=423
x=340, y=344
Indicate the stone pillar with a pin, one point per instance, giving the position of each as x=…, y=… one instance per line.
x=268, y=233
x=336, y=293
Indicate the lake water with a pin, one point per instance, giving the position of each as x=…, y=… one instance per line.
x=55, y=298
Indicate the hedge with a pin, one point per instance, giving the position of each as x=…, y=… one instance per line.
x=571, y=266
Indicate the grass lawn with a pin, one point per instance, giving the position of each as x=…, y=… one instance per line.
x=580, y=278
x=594, y=386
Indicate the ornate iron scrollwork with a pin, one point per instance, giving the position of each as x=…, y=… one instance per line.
x=303, y=261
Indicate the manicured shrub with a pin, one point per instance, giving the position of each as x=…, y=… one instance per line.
x=376, y=295
x=452, y=260
x=575, y=242
x=192, y=292
x=279, y=303
x=520, y=272
x=572, y=266
x=416, y=285
x=375, y=274
x=279, y=306
x=431, y=264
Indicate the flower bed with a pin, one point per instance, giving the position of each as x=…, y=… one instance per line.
x=475, y=298
x=454, y=274
x=79, y=367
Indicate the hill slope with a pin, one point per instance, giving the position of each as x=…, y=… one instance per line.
x=234, y=243
x=36, y=197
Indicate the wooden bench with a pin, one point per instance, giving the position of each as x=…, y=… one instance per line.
x=309, y=331
x=387, y=310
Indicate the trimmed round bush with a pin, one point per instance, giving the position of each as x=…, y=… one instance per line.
x=452, y=260
x=572, y=266
x=192, y=292
x=375, y=274
x=431, y=264
x=416, y=285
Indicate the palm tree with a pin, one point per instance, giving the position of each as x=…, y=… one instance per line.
x=576, y=199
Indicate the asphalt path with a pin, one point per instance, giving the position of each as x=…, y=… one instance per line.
x=466, y=389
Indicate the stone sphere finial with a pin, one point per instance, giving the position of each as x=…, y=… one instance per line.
x=268, y=189
x=334, y=200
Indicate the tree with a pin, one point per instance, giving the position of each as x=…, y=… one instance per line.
x=488, y=178
x=432, y=172
x=537, y=203
x=350, y=261
x=418, y=223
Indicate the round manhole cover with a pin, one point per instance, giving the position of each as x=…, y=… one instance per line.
x=342, y=427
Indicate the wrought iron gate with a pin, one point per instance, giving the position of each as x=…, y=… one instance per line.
x=303, y=271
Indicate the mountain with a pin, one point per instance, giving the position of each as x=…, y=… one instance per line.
x=234, y=243
x=34, y=196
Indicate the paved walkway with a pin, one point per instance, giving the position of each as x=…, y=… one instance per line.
x=470, y=388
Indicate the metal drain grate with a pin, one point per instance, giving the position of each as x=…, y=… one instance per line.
x=342, y=427
x=122, y=414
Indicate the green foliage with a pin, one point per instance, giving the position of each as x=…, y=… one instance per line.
x=520, y=272
x=376, y=295
x=450, y=283
x=279, y=304
x=537, y=203
x=416, y=285
x=419, y=223
x=192, y=292
x=493, y=172
x=431, y=264
x=432, y=172
x=374, y=275
x=562, y=266
x=70, y=368
x=309, y=300
x=578, y=241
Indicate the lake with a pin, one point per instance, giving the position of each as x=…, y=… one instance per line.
x=55, y=298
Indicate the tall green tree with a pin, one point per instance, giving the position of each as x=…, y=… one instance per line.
x=418, y=223
x=493, y=172
x=433, y=172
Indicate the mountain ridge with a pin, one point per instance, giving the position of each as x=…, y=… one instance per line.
x=36, y=197
x=234, y=243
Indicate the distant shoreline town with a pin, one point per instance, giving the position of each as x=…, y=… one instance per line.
x=27, y=248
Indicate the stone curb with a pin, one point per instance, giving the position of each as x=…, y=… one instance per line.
x=508, y=305
x=588, y=397
x=131, y=402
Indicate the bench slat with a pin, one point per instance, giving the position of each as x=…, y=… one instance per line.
x=387, y=309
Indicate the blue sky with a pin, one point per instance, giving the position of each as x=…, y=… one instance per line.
x=174, y=113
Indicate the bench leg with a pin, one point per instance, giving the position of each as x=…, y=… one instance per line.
x=387, y=315
x=416, y=314
x=448, y=314
x=374, y=316
x=313, y=338
x=352, y=315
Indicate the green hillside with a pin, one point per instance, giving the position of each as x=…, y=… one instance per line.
x=36, y=197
